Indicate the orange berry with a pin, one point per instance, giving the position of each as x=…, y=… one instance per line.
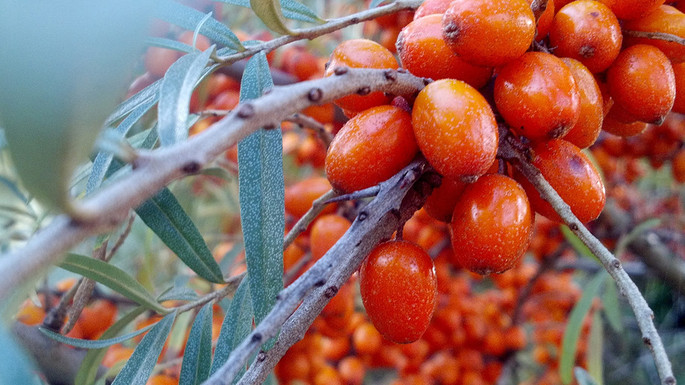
x=642, y=82
x=361, y=53
x=440, y=204
x=30, y=314
x=300, y=62
x=327, y=375
x=97, y=317
x=366, y=339
x=300, y=196
x=545, y=20
x=162, y=379
x=665, y=19
x=573, y=177
x=116, y=353
x=586, y=30
x=202, y=43
x=492, y=225
x=399, y=290
x=432, y=7
x=351, y=370
x=489, y=32
x=586, y=130
x=370, y=148
x=632, y=9
x=613, y=124
x=679, y=102
x=424, y=53
x=158, y=60
x=325, y=232
x=455, y=129
x=537, y=96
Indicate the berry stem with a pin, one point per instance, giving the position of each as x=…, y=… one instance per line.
x=656, y=36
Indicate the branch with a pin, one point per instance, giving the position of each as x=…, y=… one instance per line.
x=376, y=222
x=656, y=36
x=155, y=169
x=510, y=150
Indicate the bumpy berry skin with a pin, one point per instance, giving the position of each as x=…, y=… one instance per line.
x=642, y=82
x=491, y=225
x=679, y=103
x=665, y=19
x=573, y=177
x=399, y=290
x=537, y=96
x=586, y=30
x=370, y=148
x=424, y=53
x=455, y=129
x=360, y=53
x=489, y=32
x=632, y=9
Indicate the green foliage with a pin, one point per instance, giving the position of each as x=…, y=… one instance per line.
x=93, y=344
x=236, y=326
x=197, y=356
x=143, y=360
x=15, y=366
x=262, y=212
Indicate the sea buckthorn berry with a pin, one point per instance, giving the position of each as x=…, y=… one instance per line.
x=300, y=196
x=614, y=123
x=432, y=7
x=537, y=96
x=589, y=124
x=361, y=53
x=325, y=232
x=424, y=53
x=632, y=9
x=370, y=148
x=679, y=102
x=455, y=129
x=641, y=80
x=573, y=177
x=158, y=60
x=489, y=32
x=588, y=31
x=399, y=290
x=202, y=43
x=665, y=19
x=440, y=204
x=491, y=225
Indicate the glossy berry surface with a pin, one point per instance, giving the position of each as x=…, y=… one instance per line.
x=455, y=129
x=360, y=53
x=325, y=232
x=370, y=148
x=665, y=19
x=591, y=114
x=537, y=96
x=399, y=290
x=572, y=175
x=491, y=225
x=489, y=32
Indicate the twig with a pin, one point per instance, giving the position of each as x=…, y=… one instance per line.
x=121, y=239
x=319, y=284
x=84, y=292
x=509, y=149
x=226, y=291
x=656, y=36
x=317, y=206
x=154, y=169
x=309, y=122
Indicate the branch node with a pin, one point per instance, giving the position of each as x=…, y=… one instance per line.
x=261, y=356
x=320, y=283
x=246, y=111
x=270, y=126
x=256, y=338
x=573, y=226
x=390, y=75
x=330, y=291
x=669, y=380
x=362, y=216
x=191, y=167
x=339, y=71
x=616, y=264
x=364, y=91
x=647, y=341
x=315, y=94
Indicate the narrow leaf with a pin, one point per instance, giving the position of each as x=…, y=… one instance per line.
x=576, y=243
x=169, y=43
x=93, y=344
x=376, y=3
x=13, y=188
x=189, y=18
x=197, y=356
x=112, y=277
x=91, y=362
x=178, y=293
x=236, y=326
x=297, y=11
x=15, y=365
x=626, y=239
x=165, y=216
x=261, y=193
x=596, y=347
x=146, y=95
x=269, y=11
x=174, y=101
x=569, y=345
x=611, y=307
x=104, y=160
x=143, y=360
